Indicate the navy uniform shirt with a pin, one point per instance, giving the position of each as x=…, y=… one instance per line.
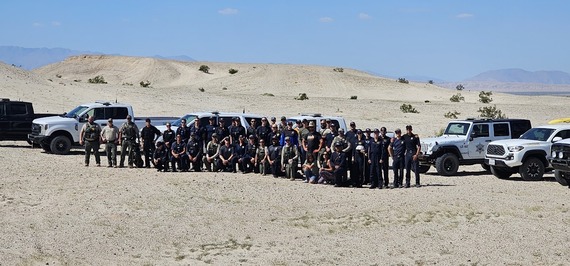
x=397, y=145
x=169, y=137
x=411, y=142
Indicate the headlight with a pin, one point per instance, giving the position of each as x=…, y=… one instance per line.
x=554, y=154
x=560, y=155
x=515, y=148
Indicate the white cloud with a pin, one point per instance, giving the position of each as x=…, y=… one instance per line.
x=37, y=24
x=326, y=20
x=228, y=11
x=56, y=23
x=364, y=16
x=464, y=15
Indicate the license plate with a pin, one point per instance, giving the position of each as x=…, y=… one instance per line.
x=491, y=161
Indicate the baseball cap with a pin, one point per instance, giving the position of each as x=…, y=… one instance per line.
x=110, y=120
x=283, y=118
x=408, y=127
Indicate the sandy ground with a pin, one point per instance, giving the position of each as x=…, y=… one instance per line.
x=55, y=210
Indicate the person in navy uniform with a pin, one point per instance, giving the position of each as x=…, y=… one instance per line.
x=274, y=156
x=149, y=134
x=338, y=162
x=227, y=157
x=178, y=154
x=367, y=140
x=199, y=133
x=385, y=156
x=262, y=132
x=222, y=131
x=168, y=136
x=251, y=130
x=211, y=128
x=413, y=148
x=359, y=159
x=160, y=157
x=248, y=160
x=291, y=133
x=239, y=150
x=236, y=130
x=374, y=151
x=183, y=131
x=275, y=133
x=397, y=151
x=194, y=152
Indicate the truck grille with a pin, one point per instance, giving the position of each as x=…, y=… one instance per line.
x=36, y=129
x=495, y=149
x=561, y=151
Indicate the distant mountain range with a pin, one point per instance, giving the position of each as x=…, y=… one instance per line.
x=522, y=76
x=31, y=58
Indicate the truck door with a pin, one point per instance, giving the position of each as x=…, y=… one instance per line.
x=478, y=140
x=19, y=121
x=3, y=120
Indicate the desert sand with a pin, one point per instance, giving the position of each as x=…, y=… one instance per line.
x=56, y=211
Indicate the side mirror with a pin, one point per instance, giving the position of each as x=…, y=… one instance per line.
x=83, y=118
x=473, y=135
x=556, y=139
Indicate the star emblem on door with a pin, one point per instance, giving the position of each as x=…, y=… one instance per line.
x=480, y=147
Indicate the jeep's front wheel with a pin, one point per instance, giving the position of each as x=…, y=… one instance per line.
x=60, y=145
x=500, y=172
x=532, y=169
x=447, y=164
x=562, y=177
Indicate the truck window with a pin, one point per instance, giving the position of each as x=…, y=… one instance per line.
x=501, y=129
x=17, y=109
x=2, y=109
x=564, y=134
x=519, y=127
x=116, y=112
x=481, y=130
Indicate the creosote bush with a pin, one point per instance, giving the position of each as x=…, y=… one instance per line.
x=353, y=97
x=338, y=69
x=268, y=94
x=403, y=80
x=485, y=97
x=233, y=71
x=302, y=96
x=452, y=115
x=430, y=81
x=97, y=80
x=204, y=68
x=408, y=108
x=201, y=89
x=457, y=98
x=459, y=87
x=145, y=84
x=491, y=112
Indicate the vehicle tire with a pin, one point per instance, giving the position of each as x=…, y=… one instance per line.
x=486, y=167
x=532, y=169
x=501, y=173
x=423, y=168
x=46, y=148
x=562, y=177
x=60, y=145
x=447, y=164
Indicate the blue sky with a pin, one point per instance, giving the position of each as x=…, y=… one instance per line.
x=450, y=40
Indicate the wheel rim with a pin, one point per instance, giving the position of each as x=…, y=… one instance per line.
x=448, y=165
x=533, y=170
x=60, y=146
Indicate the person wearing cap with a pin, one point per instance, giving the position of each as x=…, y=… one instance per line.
x=351, y=138
x=149, y=135
x=275, y=133
x=331, y=134
x=210, y=128
x=374, y=152
x=261, y=158
x=385, y=156
x=110, y=137
x=283, y=125
x=90, y=135
x=248, y=159
x=168, y=136
x=367, y=140
x=239, y=150
x=291, y=133
x=194, y=150
x=338, y=162
x=212, y=154
x=178, y=155
x=128, y=138
x=311, y=140
x=236, y=130
x=227, y=157
x=274, y=156
x=302, y=131
x=199, y=134
x=397, y=151
x=289, y=158
x=347, y=146
x=183, y=130
x=359, y=159
x=262, y=131
x=251, y=129
x=413, y=148
x=160, y=157
x=273, y=121
x=222, y=131
x=323, y=127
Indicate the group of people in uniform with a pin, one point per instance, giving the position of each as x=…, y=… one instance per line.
x=327, y=155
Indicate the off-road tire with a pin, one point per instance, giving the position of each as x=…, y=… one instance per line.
x=60, y=145
x=501, y=173
x=562, y=177
x=532, y=169
x=447, y=164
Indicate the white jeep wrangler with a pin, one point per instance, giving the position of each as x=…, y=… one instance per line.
x=526, y=155
x=464, y=143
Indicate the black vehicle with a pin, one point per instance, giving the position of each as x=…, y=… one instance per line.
x=16, y=119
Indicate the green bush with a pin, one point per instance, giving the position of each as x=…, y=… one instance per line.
x=232, y=71
x=407, y=108
x=452, y=115
x=224, y=88
x=485, y=97
x=338, y=69
x=353, y=97
x=201, y=89
x=204, y=68
x=58, y=75
x=459, y=87
x=457, y=98
x=98, y=80
x=403, y=80
x=302, y=96
x=145, y=84
x=430, y=81
x=491, y=112
x=268, y=94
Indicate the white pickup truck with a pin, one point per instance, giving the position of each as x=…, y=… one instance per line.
x=57, y=134
x=526, y=155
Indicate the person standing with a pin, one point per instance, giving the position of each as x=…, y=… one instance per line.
x=128, y=136
x=413, y=149
x=291, y=133
x=149, y=134
x=274, y=156
x=289, y=157
x=311, y=140
x=385, y=157
x=359, y=160
x=168, y=136
x=222, y=131
x=90, y=135
x=248, y=161
x=338, y=162
x=183, y=130
x=374, y=157
x=262, y=132
x=110, y=137
x=397, y=151
x=261, y=158
x=211, y=128
x=236, y=130
x=199, y=133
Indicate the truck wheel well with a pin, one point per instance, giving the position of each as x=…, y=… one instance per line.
x=453, y=150
x=541, y=155
x=62, y=133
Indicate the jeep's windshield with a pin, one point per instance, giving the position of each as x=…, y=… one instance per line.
x=189, y=119
x=540, y=134
x=76, y=111
x=457, y=129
